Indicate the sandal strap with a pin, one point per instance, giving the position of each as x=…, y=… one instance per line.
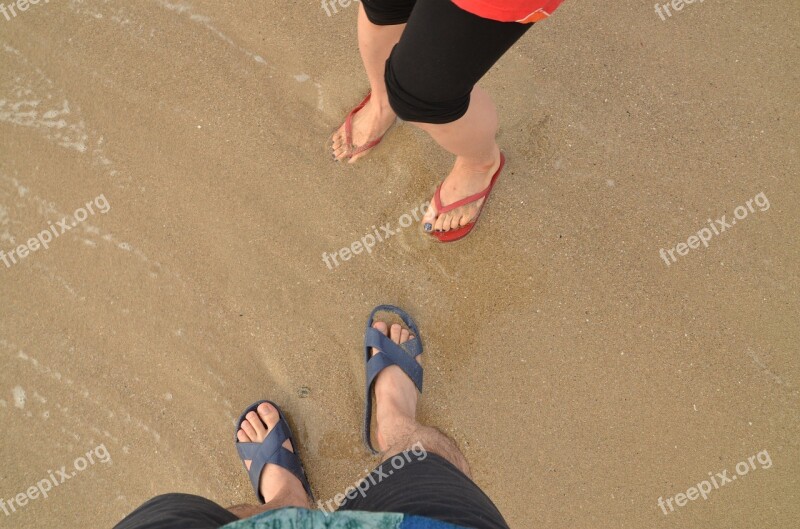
x=348, y=121
x=389, y=353
x=271, y=452
x=437, y=199
x=367, y=146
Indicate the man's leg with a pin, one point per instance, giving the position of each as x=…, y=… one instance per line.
x=279, y=487
x=396, y=411
x=423, y=471
x=380, y=25
x=178, y=511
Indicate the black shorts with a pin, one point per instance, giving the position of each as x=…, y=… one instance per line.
x=441, y=55
x=177, y=511
x=432, y=488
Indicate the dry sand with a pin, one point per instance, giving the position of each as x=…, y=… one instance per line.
x=583, y=377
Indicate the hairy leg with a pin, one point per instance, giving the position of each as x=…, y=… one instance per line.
x=396, y=400
x=279, y=487
x=405, y=434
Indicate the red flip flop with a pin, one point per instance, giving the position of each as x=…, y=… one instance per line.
x=463, y=231
x=348, y=130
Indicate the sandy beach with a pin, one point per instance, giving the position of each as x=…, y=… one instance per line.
x=584, y=370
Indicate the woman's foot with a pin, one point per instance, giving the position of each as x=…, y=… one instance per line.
x=467, y=178
x=369, y=124
x=395, y=394
x=278, y=486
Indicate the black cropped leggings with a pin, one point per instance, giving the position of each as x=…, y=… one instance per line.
x=443, y=52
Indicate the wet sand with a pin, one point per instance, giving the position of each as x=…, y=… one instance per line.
x=583, y=377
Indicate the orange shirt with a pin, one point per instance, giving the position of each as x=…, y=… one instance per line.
x=524, y=11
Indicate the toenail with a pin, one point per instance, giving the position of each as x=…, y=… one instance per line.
x=428, y=226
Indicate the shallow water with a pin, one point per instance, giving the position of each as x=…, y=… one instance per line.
x=583, y=377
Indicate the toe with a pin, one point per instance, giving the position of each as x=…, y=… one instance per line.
x=242, y=436
x=395, y=331
x=439, y=224
x=447, y=222
x=269, y=414
x=455, y=221
x=338, y=137
x=382, y=328
x=249, y=430
x=353, y=159
x=258, y=425
x=341, y=151
x=336, y=143
x=429, y=217
x=404, y=336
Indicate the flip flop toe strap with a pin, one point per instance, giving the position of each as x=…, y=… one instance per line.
x=437, y=198
x=348, y=124
x=458, y=203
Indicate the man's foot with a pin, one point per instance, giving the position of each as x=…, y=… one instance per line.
x=466, y=178
x=395, y=394
x=277, y=484
x=369, y=124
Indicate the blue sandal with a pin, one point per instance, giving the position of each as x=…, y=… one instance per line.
x=270, y=451
x=389, y=353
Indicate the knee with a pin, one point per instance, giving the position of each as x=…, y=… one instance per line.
x=423, y=99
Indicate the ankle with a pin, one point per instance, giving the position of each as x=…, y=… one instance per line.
x=395, y=425
x=293, y=495
x=482, y=163
x=394, y=405
x=380, y=105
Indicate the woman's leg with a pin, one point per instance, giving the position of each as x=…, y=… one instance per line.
x=471, y=139
x=380, y=25
x=430, y=78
